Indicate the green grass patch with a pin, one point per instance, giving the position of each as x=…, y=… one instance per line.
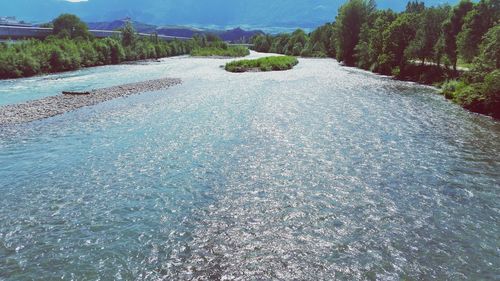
x=263, y=64
x=224, y=51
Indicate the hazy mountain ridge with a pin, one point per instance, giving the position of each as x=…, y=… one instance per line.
x=285, y=13
x=236, y=34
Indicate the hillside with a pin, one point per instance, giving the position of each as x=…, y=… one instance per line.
x=276, y=13
x=233, y=35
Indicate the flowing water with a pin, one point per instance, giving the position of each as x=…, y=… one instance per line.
x=318, y=173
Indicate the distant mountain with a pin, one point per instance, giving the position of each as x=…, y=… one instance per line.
x=117, y=24
x=221, y=13
x=233, y=35
x=237, y=35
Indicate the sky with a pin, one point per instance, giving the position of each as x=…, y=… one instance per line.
x=286, y=13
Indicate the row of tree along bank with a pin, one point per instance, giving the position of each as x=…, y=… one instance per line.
x=212, y=46
x=72, y=47
x=422, y=44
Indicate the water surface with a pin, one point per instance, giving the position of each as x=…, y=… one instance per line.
x=318, y=173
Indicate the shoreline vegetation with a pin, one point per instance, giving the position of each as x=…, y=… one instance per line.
x=276, y=63
x=230, y=52
x=72, y=47
x=212, y=46
x=427, y=45
x=56, y=105
x=224, y=51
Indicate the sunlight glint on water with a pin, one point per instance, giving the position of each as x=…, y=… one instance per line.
x=310, y=174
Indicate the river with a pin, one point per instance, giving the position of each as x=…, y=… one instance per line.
x=318, y=173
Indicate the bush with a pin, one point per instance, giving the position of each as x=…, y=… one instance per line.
x=469, y=95
x=492, y=87
x=450, y=87
x=263, y=64
x=396, y=72
x=218, y=50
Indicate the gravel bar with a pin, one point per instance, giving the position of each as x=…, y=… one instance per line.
x=55, y=105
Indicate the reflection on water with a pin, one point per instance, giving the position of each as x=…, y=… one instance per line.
x=318, y=173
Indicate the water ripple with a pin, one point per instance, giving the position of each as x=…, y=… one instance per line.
x=319, y=173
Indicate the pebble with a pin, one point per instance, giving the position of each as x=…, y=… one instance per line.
x=55, y=105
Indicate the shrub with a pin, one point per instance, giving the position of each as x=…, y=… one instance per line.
x=450, y=87
x=491, y=87
x=263, y=64
x=228, y=51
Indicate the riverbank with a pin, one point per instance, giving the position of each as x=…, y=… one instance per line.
x=220, y=49
x=56, y=105
x=474, y=98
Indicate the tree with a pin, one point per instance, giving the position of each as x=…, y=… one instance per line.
x=211, y=37
x=370, y=45
x=439, y=51
x=476, y=23
x=261, y=42
x=397, y=38
x=68, y=25
x=489, y=53
x=297, y=42
x=320, y=41
x=352, y=15
x=362, y=49
x=128, y=35
x=415, y=7
x=428, y=33
x=452, y=27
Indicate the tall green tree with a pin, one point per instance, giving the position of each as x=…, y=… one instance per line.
x=321, y=41
x=428, y=34
x=397, y=38
x=129, y=35
x=297, y=42
x=351, y=17
x=415, y=7
x=371, y=44
x=476, y=23
x=452, y=27
x=70, y=26
x=261, y=42
x=489, y=53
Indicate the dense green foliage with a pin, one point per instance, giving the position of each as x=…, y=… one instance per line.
x=422, y=44
x=451, y=27
x=70, y=26
x=211, y=45
x=263, y=64
x=225, y=51
x=73, y=48
x=352, y=16
x=477, y=22
x=320, y=43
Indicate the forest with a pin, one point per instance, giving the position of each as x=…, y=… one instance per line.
x=72, y=47
x=454, y=47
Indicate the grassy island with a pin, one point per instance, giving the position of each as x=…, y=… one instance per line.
x=263, y=64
